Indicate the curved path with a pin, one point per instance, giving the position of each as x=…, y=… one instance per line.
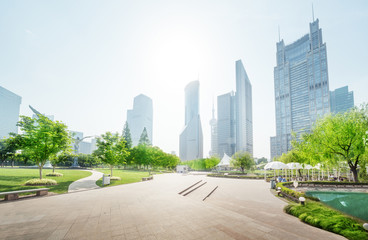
x=86, y=183
x=239, y=209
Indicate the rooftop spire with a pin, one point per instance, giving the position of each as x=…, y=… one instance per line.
x=312, y=12
x=279, y=33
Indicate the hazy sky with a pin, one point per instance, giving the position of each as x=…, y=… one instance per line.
x=85, y=61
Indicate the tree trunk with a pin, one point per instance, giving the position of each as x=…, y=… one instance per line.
x=53, y=168
x=355, y=173
x=242, y=169
x=111, y=170
x=40, y=167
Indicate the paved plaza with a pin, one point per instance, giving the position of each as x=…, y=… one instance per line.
x=238, y=209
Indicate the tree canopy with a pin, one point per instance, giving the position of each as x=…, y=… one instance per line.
x=242, y=160
x=127, y=136
x=144, y=140
x=42, y=138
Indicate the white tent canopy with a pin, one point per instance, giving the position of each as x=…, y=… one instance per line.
x=294, y=165
x=276, y=165
x=225, y=161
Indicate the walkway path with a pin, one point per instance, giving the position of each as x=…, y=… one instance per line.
x=238, y=209
x=86, y=183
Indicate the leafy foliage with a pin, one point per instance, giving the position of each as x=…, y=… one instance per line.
x=127, y=136
x=242, y=160
x=111, y=149
x=203, y=163
x=40, y=182
x=43, y=139
x=328, y=219
x=144, y=140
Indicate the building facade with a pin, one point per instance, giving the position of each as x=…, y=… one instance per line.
x=244, y=112
x=9, y=112
x=341, y=100
x=140, y=117
x=273, y=148
x=226, y=124
x=191, y=138
x=214, y=144
x=301, y=86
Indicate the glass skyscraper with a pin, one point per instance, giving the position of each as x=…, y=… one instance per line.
x=9, y=112
x=140, y=117
x=191, y=138
x=244, y=112
x=341, y=100
x=301, y=86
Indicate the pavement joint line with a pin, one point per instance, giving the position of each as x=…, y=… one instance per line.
x=190, y=187
x=210, y=193
x=195, y=189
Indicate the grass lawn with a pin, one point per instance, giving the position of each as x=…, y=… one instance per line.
x=12, y=179
x=127, y=176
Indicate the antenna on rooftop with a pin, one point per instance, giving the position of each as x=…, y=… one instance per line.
x=312, y=12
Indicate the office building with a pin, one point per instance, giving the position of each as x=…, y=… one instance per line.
x=213, y=124
x=301, y=86
x=140, y=117
x=244, y=112
x=273, y=148
x=191, y=138
x=341, y=100
x=226, y=125
x=9, y=112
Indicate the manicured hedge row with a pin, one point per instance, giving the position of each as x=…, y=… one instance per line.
x=328, y=219
x=235, y=176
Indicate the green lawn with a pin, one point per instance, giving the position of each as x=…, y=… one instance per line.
x=127, y=176
x=12, y=179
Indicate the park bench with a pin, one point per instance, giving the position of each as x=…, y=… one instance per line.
x=147, y=178
x=14, y=195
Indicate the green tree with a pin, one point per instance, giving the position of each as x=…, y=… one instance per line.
x=144, y=140
x=343, y=136
x=211, y=162
x=127, y=136
x=43, y=138
x=242, y=160
x=262, y=160
x=111, y=149
x=88, y=160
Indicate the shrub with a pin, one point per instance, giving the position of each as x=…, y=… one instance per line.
x=328, y=219
x=115, y=178
x=54, y=174
x=41, y=182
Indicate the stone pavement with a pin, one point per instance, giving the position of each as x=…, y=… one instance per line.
x=86, y=183
x=238, y=209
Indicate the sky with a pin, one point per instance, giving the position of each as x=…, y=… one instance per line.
x=85, y=61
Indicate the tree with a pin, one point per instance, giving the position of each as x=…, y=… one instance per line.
x=242, y=160
x=111, y=149
x=43, y=138
x=262, y=160
x=343, y=136
x=211, y=162
x=144, y=140
x=127, y=136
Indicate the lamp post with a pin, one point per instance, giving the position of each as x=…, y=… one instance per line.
x=76, y=149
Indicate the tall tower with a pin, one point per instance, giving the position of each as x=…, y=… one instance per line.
x=140, y=117
x=301, y=86
x=9, y=112
x=191, y=138
x=244, y=118
x=213, y=124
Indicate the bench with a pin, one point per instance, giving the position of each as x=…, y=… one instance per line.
x=14, y=195
x=147, y=178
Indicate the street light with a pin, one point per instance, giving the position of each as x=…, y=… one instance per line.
x=76, y=149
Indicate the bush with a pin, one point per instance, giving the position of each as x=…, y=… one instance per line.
x=54, y=174
x=41, y=182
x=115, y=178
x=328, y=219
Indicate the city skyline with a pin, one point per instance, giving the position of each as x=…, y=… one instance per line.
x=84, y=63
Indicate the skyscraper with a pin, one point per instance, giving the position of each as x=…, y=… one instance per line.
x=140, y=117
x=9, y=112
x=244, y=112
x=191, y=138
x=226, y=125
x=213, y=124
x=341, y=100
x=301, y=86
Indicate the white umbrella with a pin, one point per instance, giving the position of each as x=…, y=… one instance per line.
x=308, y=167
x=276, y=165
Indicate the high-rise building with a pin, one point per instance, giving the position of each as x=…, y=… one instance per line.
x=191, y=138
x=244, y=112
x=301, y=85
x=213, y=124
x=341, y=100
x=140, y=117
x=273, y=147
x=9, y=112
x=226, y=125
